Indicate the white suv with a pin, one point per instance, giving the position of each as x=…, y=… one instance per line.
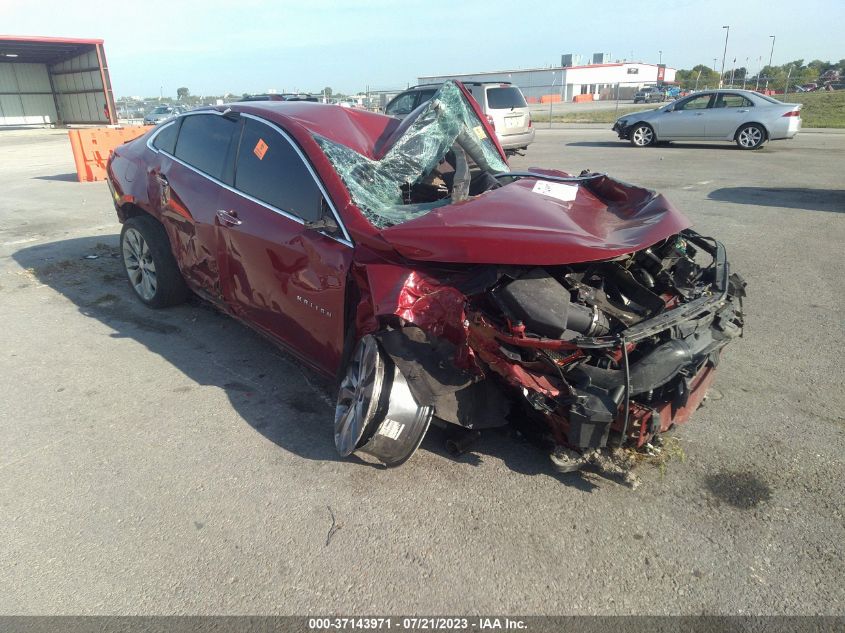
x=501, y=102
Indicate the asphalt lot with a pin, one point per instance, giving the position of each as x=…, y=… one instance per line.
x=173, y=462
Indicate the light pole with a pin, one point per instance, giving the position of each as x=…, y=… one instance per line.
x=772, y=51
x=724, y=54
x=659, y=57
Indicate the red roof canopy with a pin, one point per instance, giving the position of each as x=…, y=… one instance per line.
x=35, y=49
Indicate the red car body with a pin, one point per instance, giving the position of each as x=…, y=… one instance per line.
x=316, y=292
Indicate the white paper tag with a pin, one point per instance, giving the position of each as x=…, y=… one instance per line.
x=391, y=428
x=558, y=190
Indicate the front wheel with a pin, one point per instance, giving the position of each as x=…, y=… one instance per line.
x=642, y=135
x=750, y=136
x=149, y=263
x=376, y=413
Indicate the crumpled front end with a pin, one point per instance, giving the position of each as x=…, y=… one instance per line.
x=591, y=355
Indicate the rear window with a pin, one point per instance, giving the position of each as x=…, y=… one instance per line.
x=166, y=138
x=505, y=98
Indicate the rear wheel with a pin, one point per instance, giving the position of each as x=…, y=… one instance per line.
x=751, y=136
x=150, y=266
x=642, y=135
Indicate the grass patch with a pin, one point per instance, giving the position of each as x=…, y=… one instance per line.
x=821, y=109
x=592, y=116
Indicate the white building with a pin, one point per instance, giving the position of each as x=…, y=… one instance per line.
x=603, y=81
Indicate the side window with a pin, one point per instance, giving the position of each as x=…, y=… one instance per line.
x=270, y=169
x=402, y=104
x=695, y=103
x=733, y=101
x=165, y=140
x=204, y=142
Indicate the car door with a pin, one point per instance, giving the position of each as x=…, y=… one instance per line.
x=195, y=157
x=287, y=279
x=728, y=112
x=685, y=119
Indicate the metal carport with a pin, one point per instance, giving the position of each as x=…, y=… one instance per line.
x=54, y=80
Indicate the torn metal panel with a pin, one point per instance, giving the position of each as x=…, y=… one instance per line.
x=429, y=366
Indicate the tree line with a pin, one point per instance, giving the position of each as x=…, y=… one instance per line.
x=772, y=77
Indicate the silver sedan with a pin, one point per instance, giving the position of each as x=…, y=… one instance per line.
x=743, y=116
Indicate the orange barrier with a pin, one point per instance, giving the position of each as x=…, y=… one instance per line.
x=582, y=98
x=550, y=99
x=92, y=147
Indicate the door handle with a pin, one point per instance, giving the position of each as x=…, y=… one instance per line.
x=228, y=218
x=164, y=184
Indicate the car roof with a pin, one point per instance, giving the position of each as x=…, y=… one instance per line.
x=356, y=128
x=466, y=83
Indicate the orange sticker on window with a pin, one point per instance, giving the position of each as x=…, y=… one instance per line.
x=260, y=149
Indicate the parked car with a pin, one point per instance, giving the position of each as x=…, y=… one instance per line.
x=162, y=113
x=501, y=102
x=582, y=309
x=743, y=116
x=650, y=94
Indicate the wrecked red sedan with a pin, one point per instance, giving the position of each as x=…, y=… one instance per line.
x=438, y=286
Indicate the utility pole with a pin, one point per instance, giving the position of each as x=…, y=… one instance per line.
x=724, y=53
x=733, y=70
x=696, y=81
x=772, y=52
x=659, y=57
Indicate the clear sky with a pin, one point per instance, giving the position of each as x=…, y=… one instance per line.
x=214, y=46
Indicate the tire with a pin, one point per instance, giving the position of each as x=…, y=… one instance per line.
x=150, y=267
x=750, y=136
x=641, y=135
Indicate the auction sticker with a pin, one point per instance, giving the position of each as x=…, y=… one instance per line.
x=558, y=190
x=260, y=149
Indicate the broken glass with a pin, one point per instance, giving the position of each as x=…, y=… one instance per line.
x=423, y=141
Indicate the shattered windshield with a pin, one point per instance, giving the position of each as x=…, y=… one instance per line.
x=426, y=166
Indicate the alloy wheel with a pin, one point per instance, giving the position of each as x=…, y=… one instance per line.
x=750, y=137
x=643, y=136
x=139, y=264
x=358, y=396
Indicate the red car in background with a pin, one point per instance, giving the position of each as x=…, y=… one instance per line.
x=436, y=285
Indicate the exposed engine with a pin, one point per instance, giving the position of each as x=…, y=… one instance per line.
x=618, y=350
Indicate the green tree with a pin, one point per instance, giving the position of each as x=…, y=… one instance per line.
x=182, y=93
x=327, y=92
